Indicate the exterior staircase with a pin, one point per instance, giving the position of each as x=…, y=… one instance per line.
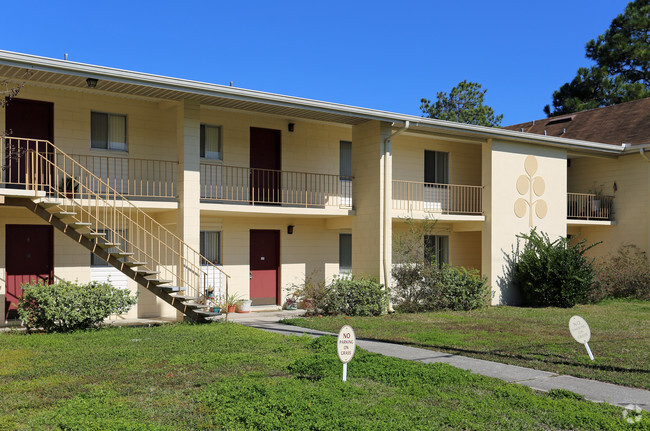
x=96, y=216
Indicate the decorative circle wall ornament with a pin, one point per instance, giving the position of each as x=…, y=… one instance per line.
x=531, y=185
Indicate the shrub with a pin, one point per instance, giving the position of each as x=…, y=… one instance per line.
x=625, y=274
x=309, y=295
x=553, y=273
x=425, y=287
x=67, y=306
x=355, y=296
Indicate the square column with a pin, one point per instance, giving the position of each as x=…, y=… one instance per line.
x=188, y=135
x=369, y=157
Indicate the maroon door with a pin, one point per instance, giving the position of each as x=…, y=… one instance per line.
x=265, y=165
x=29, y=251
x=30, y=119
x=265, y=266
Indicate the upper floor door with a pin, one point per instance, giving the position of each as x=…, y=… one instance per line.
x=265, y=163
x=30, y=119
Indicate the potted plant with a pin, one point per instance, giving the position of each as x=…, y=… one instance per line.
x=244, y=306
x=230, y=302
x=69, y=186
x=597, y=198
x=291, y=303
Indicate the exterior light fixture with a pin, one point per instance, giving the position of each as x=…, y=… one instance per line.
x=291, y=126
x=290, y=229
x=91, y=82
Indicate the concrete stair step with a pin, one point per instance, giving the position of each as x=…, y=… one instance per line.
x=169, y=289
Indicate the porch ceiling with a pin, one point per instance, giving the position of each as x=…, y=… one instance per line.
x=209, y=98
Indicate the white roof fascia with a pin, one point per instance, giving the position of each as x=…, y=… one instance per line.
x=195, y=87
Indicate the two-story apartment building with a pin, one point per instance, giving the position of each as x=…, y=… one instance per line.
x=168, y=186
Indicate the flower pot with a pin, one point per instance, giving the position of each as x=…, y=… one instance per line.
x=231, y=308
x=244, y=306
x=293, y=306
x=216, y=310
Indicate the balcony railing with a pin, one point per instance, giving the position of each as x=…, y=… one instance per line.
x=132, y=178
x=437, y=198
x=584, y=206
x=223, y=183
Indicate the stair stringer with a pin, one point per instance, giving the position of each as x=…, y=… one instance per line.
x=92, y=246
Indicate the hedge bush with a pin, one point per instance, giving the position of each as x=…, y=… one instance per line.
x=625, y=274
x=553, y=273
x=355, y=296
x=426, y=287
x=66, y=306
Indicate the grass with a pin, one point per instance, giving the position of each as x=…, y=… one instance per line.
x=530, y=337
x=226, y=376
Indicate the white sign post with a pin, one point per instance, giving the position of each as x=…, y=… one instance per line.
x=581, y=332
x=345, y=346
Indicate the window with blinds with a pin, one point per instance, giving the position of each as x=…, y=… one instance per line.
x=211, y=142
x=211, y=246
x=108, y=131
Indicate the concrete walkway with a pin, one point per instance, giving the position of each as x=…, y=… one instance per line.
x=539, y=380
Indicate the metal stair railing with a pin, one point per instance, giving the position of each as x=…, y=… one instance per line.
x=96, y=206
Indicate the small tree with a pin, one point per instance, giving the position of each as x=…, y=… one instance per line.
x=553, y=273
x=463, y=104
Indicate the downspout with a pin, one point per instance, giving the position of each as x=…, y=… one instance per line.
x=642, y=152
x=387, y=200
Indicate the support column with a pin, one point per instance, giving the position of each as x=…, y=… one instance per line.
x=188, y=177
x=368, y=155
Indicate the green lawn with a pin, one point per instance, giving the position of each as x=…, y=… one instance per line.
x=530, y=337
x=226, y=376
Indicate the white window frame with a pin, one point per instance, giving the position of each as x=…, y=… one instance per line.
x=211, y=155
x=110, y=145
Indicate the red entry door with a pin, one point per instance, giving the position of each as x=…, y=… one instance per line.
x=29, y=251
x=265, y=266
x=265, y=165
x=30, y=119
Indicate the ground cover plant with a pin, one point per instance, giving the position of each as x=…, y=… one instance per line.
x=531, y=337
x=226, y=376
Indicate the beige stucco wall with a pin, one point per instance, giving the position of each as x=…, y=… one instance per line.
x=632, y=175
x=503, y=164
x=312, y=250
x=408, y=159
x=464, y=247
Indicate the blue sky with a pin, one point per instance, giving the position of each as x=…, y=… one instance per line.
x=374, y=54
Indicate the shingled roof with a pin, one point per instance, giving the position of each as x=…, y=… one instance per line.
x=626, y=123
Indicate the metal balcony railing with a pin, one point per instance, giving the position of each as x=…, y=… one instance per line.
x=223, y=183
x=585, y=206
x=437, y=198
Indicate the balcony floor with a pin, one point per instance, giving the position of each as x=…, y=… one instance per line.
x=246, y=210
x=433, y=215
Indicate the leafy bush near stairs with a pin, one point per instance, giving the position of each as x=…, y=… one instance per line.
x=66, y=306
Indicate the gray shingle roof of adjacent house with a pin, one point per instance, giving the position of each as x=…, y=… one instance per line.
x=626, y=123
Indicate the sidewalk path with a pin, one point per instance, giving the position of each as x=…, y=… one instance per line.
x=539, y=380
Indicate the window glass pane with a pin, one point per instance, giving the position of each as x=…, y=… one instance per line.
x=211, y=246
x=346, y=159
x=98, y=130
x=117, y=132
x=345, y=252
x=436, y=249
x=211, y=142
x=436, y=167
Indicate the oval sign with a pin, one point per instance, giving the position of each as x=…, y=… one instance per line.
x=579, y=329
x=346, y=344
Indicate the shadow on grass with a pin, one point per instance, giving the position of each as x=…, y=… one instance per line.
x=457, y=350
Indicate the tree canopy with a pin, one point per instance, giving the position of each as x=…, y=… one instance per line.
x=622, y=70
x=463, y=104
